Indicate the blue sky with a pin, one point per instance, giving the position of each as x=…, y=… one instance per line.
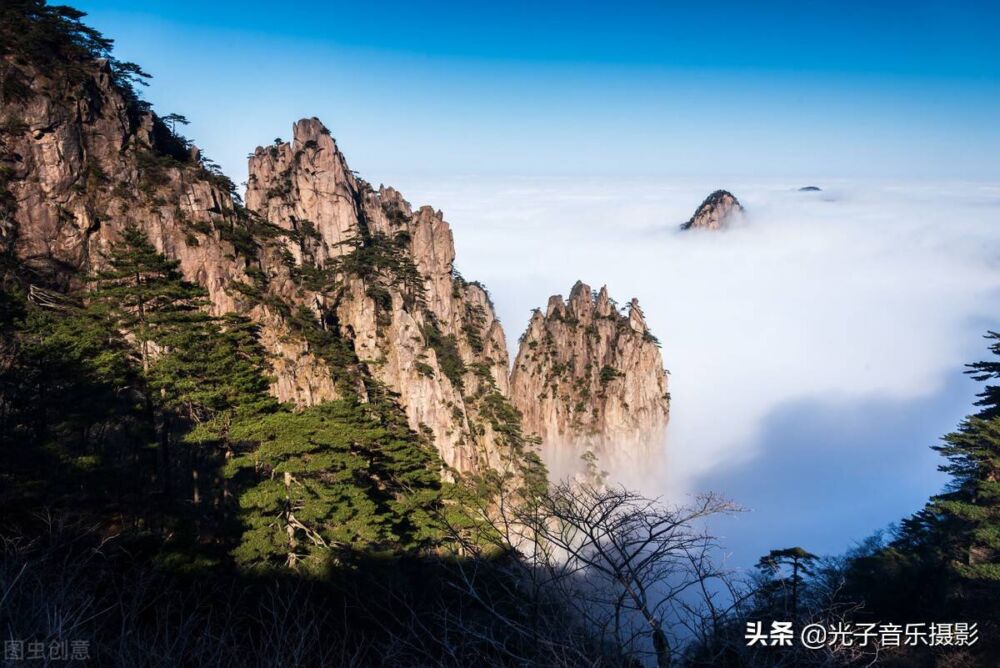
x=805, y=89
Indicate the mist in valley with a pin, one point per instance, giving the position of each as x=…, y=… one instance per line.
x=815, y=350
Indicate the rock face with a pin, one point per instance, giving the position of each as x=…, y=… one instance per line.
x=353, y=290
x=420, y=329
x=589, y=377
x=717, y=212
x=81, y=164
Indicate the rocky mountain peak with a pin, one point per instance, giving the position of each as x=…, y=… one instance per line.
x=422, y=330
x=352, y=291
x=312, y=129
x=716, y=212
x=306, y=187
x=603, y=306
x=636, y=318
x=590, y=377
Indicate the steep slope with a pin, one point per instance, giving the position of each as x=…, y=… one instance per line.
x=588, y=377
x=717, y=212
x=386, y=274
x=353, y=292
x=82, y=161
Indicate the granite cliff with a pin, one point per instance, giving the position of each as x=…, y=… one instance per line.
x=354, y=291
x=590, y=377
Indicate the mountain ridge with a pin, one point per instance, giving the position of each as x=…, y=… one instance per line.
x=354, y=291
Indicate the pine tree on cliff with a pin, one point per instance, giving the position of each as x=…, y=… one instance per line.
x=302, y=498
x=214, y=378
x=952, y=546
x=407, y=472
x=51, y=38
x=143, y=295
x=971, y=504
x=314, y=490
x=213, y=371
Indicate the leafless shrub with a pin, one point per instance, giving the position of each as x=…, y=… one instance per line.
x=600, y=568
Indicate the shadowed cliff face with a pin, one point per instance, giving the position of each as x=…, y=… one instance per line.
x=352, y=289
x=588, y=377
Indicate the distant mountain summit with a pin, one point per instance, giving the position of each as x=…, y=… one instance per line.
x=716, y=212
x=810, y=189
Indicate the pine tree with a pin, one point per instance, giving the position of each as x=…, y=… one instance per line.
x=971, y=504
x=952, y=546
x=212, y=369
x=310, y=494
x=779, y=588
x=212, y=376
x=144, y=295
x=335, y=479
x=71, y=427
x=985, y=371
x=406, y=471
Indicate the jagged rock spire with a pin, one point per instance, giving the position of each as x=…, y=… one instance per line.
x=427, y=334
x=588, y=377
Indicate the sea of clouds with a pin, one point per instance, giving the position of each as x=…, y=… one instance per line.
x=815, y=351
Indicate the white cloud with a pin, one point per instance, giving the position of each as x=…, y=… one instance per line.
x=859, y=290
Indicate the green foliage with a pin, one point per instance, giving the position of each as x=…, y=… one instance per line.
x=445, y=348
x=142, y=365
x=309, y=496
x=282, y=188
x=329, y=480
x=395, y=213
x=53, y=40
x=68, y=415
x=592, y=471
x=952, y=546
x=785, y=585
x=142, y=293
x=459, y=285
x=381, y=261
x=473, y=320
x=984, y=372
x=971, y=504
x=324, y=340
x=608, y=374
x=215, y=372
x=242, y=234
